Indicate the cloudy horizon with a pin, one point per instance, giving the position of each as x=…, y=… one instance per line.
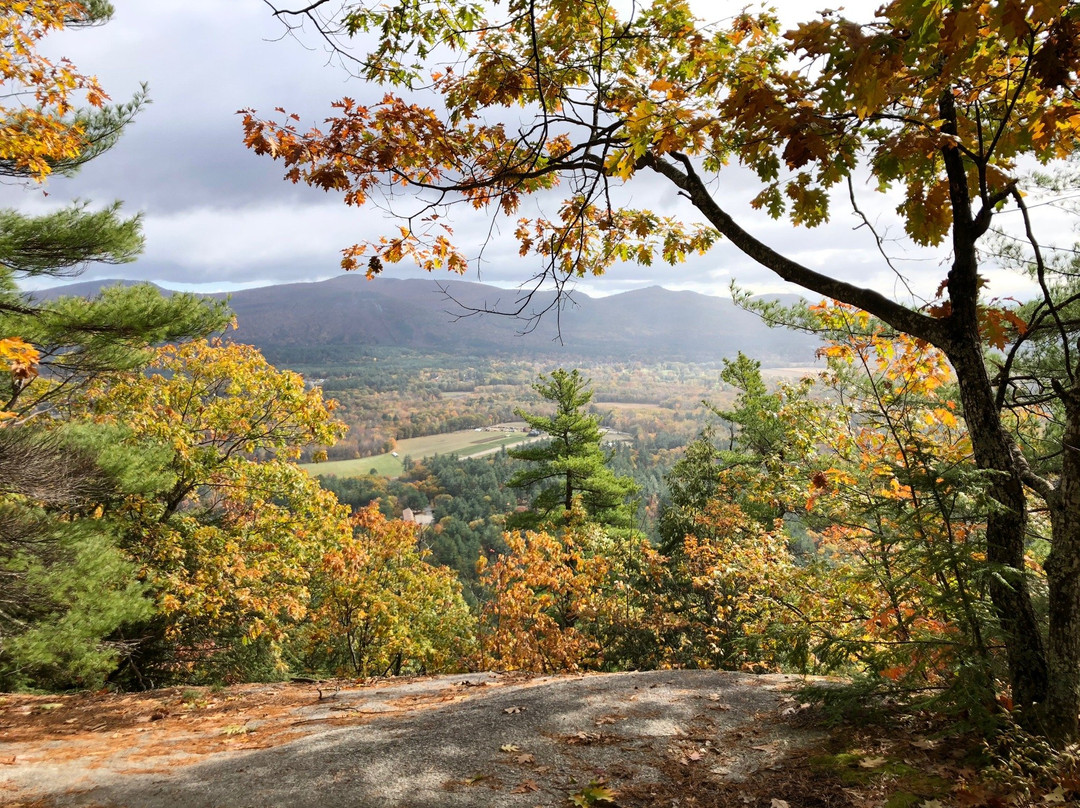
x=218, y=218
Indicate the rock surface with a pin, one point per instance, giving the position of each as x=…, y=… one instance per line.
x=433, y=742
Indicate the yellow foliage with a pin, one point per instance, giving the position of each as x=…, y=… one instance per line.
x=37, y=130
x=380, y=606
x=559, y=603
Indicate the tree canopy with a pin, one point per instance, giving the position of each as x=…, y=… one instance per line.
x=945, y=105
x=67, y=585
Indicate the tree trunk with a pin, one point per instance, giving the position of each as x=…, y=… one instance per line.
x=1005, y=528
x=1063, y=581
x=957, y=335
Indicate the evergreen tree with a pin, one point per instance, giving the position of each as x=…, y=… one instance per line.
x=758, y=441
x=66, y=584
x=693, y=483
x=572, y=463
x=755, y=430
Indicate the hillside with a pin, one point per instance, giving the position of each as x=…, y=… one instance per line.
x=348, y=312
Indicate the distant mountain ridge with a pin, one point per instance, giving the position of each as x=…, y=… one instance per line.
x=428, y=315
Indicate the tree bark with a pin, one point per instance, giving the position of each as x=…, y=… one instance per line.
x=1005, y=528
x=1062, y=567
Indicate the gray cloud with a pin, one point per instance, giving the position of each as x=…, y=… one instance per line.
x=216, y=214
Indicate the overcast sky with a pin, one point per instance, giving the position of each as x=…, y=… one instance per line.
x=219, y=218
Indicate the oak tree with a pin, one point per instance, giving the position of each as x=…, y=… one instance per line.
x=379, y=606
x=942, y=104
x=228, y=538
x=899, y=512
x=574, y=601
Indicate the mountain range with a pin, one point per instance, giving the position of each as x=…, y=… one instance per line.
x=348, y=312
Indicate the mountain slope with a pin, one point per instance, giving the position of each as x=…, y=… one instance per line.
x=349, y=311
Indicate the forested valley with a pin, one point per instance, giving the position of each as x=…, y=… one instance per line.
x=901, y=516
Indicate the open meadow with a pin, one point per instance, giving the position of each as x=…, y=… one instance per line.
x=463, y=442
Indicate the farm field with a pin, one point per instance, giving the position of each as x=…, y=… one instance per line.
x=793, y=373
x=465, y=443
x=626, y=405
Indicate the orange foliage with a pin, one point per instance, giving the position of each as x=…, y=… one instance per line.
x=35, y=135
x=724, y=593
x=900, y=508
x=564, y=603
x=20, y=359
x=380, y=607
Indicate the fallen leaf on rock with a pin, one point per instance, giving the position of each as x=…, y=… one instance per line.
x=585, y=738
x=873, y=763
x=694, y=756
x=924, y=743
x=525, y=787
x=525, y=759
x=509, y=747
x=514, y=710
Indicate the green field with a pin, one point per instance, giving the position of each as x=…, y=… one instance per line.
x=466, y=443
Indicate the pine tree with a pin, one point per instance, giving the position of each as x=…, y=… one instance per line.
x=66, y=584
x=693, y=483
x=757, y=438
x=571, y=464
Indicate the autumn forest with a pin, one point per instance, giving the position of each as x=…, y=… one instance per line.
x=903, y=515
